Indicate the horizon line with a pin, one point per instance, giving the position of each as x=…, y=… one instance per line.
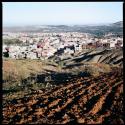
x=20, y=25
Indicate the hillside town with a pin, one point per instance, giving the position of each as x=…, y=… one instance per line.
x=62, y=63
x=46, y=45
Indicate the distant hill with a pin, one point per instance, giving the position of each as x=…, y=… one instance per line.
x=118, y=24
x=115, y=28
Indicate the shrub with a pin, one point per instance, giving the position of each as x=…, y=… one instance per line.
x=60, y=65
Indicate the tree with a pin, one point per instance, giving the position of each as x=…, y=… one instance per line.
x=6, y=54
x=11, y=41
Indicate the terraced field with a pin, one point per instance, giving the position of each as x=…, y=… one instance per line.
x=81, y=100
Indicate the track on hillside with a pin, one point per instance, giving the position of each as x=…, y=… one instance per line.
x=88, y=100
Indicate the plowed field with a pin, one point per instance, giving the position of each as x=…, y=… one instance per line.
x=88, y=100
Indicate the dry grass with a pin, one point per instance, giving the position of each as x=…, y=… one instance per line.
x=100, y=67
x=17, y=70
x=14, y=70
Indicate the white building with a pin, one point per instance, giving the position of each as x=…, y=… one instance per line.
x=112, y=44
x=69, y=51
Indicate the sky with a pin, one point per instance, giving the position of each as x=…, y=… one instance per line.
x=61, y=13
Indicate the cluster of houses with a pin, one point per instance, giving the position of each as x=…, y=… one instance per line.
x=45, y=45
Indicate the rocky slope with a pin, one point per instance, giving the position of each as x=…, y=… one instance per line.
x=114, y=57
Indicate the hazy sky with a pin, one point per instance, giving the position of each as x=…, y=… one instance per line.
x=70, y=13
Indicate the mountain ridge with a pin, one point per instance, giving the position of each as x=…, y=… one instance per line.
x=116, y=28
